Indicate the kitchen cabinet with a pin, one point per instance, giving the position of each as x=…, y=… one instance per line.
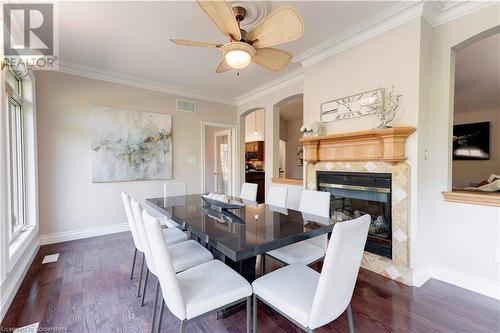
x=254, y=151
x=257, y=177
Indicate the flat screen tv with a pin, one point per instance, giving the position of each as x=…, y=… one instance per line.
x=471, y=141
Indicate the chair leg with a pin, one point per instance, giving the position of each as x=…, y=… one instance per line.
x=140, y=277
x=254, y=319
x=155, y=306
x=263, y=263
x=133, y=264
x=249, y=310
x=160, y=317
x=183, y=326
x=349, y=319
x=144, y=288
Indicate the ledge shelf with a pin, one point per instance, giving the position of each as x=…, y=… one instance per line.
x=288, y=181
x=473, y=197
x=385, y=145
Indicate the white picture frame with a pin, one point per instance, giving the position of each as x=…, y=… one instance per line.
x=353, y=106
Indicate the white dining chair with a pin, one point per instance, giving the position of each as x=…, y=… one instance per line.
x=310, y=299
x=198, y=291
x=185, y=255
x=173, y=236
x=249, y=191
x=277, y=196
x=133, y=231
x=312, y=203
x=173, y=189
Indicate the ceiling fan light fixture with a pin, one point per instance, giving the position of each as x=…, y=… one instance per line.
x=238, y=54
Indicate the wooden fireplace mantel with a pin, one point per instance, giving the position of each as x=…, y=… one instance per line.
x=385, y=145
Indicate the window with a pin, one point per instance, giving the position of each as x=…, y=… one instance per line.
x=16, y=154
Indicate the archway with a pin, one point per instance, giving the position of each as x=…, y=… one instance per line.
x=289, y=113
x=252, y=141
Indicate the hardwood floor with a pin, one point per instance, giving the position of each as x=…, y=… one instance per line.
x=89, y=290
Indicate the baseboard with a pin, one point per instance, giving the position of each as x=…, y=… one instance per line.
x=82, y=233
x=420, y=277
x=459, y=279
x=17, y=279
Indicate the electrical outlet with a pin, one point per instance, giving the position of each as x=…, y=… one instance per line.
x=497, y=255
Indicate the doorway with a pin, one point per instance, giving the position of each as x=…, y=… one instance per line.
x=222, y=161
x=218, y=158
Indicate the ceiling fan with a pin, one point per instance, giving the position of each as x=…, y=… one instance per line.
x=281, y=26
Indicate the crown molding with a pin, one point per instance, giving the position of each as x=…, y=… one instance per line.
x=294, y=77
x=452, y=10
x=132, y=81
x=434, y=12
x=383, y=21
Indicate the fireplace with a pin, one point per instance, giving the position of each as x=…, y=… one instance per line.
x=354, y=194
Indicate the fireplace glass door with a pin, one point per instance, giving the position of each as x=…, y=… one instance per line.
x=356, y=194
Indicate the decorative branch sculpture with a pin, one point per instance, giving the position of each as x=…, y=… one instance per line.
x=387, y=110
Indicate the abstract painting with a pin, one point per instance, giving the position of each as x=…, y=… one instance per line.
x=130, y=145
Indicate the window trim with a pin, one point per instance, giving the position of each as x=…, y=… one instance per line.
x=27, y=240
x=12, y=96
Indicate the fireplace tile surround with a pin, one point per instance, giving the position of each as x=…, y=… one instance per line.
x=399, y=267
x=372, y=151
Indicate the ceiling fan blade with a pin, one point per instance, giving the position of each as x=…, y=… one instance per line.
x=223, y=66
x=272, y=59
x=187, y=42
x=221, y=13
x=282, y=25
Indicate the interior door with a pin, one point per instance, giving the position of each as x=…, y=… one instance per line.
x=223, y=162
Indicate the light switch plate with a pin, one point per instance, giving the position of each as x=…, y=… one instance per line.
x=191, y=160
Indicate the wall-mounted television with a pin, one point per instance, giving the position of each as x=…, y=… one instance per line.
x=471, y=141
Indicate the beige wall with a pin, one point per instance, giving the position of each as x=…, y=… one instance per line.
x=467, y=172
x=68, y=199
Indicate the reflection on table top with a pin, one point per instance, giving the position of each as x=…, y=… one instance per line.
x=242, y=233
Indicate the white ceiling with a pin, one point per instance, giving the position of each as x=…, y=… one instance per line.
x=131, y=39
x=477, y=76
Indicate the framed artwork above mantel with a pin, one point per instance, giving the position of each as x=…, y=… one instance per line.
x=353, y=106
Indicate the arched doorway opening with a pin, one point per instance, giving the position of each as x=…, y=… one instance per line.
x=290, y=112
x=253, y=132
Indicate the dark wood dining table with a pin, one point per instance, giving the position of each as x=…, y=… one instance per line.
x=239, y=235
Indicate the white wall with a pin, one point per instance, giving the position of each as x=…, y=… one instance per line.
x=457, y=240
x=69, y=201
x=466, y=172
x=255, y=121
